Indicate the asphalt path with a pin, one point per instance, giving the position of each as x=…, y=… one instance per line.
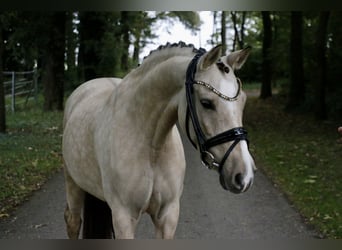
x=207, y=211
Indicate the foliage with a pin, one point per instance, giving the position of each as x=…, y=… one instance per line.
x=281, y=59
x=303, y=159
x=190, y=19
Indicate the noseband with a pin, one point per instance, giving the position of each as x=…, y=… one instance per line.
x=235, y=134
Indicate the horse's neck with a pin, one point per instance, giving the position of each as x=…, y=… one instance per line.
x=155, y=97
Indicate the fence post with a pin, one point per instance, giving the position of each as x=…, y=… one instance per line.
x=35, y=82
x=13, y=91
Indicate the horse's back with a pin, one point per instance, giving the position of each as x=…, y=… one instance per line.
x=90, y=93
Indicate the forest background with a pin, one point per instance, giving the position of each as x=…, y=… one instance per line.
x=299, y=52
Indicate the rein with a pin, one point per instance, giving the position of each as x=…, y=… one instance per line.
x=235, y=134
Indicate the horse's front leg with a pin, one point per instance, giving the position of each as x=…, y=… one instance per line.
x=166, y=220
x=124, y=223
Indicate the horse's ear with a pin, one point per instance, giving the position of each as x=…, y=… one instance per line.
x=237, y=58
x=210, y=57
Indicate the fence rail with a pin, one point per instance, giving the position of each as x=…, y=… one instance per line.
x=20, y=84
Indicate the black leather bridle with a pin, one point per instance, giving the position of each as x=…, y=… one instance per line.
x=204, y=144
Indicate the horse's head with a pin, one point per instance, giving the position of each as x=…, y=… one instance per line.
x=213, y=116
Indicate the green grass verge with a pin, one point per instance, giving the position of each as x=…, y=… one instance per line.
x=302, y=158
x=29, y=153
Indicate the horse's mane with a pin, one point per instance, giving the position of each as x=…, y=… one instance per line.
x=164, y=52
x=168, y=45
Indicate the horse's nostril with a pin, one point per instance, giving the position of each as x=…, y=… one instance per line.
x=238, y=181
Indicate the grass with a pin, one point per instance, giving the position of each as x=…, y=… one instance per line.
x=29, y=153
x=302, y=158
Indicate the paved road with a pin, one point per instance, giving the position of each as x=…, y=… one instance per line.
x=207, y=211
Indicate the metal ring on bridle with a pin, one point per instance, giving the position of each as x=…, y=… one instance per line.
x=211, y=164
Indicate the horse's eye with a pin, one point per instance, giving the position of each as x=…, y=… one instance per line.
x=207, y=104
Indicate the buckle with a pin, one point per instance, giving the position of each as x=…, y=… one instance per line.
x=208, y=160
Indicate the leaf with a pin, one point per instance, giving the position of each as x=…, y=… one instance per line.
x=4, y=215
x=309, y=181
x=327, y=217
x=39, y=226
x=35, y=163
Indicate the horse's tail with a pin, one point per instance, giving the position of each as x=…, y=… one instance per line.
x=97, y=219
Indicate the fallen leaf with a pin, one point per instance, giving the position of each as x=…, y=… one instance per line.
x=39, y=226
x=35, y=163
x=309, y=181
x=327, y=217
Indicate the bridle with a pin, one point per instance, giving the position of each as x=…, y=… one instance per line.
x=235, y=134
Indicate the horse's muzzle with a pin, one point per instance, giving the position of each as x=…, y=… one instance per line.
x=237, y=185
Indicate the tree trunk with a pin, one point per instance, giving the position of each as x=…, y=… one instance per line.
x=297, y=88
x=223, y=32
x=321, y=66
x=236, y=36
x=136, y=51
x=125, y=40
x=71, y=43
x=48, y=81
x=53, y=63
x=266, y=85
x=238, y=33
x=2, y=91
x=91, y=29
x=242, y=31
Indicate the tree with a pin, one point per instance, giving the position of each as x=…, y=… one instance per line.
x=238, y=33
x=266, y=85
x=99, y=44
x=297, y=88
x=141, y=31
x=39, y=37
x=71, y=40
x=106, y=37
x=334, y=65
x=321, y=66
x=91, y=31
x=190, y=19
x=53, y=60
x=2, y=90
x=125, y=30
x=223, y=32
x=5, y=19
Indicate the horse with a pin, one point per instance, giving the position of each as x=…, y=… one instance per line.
x=122, y=149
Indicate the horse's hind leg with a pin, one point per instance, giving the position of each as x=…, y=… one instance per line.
x=73, y=210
